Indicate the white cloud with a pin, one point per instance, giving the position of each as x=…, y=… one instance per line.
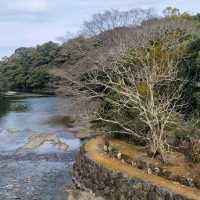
x=25, y=5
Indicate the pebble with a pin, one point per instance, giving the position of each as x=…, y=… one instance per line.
x=105, y=148
x=119, y=155
x=149, y=171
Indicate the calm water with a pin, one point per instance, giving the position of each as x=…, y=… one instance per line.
x=43, y=171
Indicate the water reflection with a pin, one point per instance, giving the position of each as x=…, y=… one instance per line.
x=4, y=106
x=20, y=107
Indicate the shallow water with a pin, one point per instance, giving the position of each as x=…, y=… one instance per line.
x=40, y=173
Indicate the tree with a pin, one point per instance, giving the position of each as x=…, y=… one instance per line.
x=3, y=83
x=112, y=19
x=145, y=83
x=190, y=69
x=68, y=36
x=197, y=17
x=171, y=12
x=28, y=68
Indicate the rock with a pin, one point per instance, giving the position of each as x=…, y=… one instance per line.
x=67, y=121
x=119, y=155
x=62, y=146
x=35, y=141
x=133, y=163
x=116, y=184
x=105, y=148
x=110, y=149
x=81, y=195
x=190, y=182
x=156, y=170
x=149, y=171
x=8, y=131
x=11, y=130
x=11, y=93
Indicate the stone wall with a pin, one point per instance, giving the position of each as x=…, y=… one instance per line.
x=115, y=185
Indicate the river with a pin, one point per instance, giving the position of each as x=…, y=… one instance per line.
x=36, y=155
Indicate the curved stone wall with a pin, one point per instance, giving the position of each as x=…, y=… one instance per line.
x=119, y=186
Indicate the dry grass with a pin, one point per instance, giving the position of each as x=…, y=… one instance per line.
x=178, y=165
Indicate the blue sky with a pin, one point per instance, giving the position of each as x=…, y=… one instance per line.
x=31, y=22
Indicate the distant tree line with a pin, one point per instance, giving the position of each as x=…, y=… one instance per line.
x=27, y=68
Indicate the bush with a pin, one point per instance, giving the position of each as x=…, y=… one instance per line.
x=190, y=69
x=194, y=150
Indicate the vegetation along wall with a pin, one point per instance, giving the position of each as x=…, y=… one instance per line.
x=116, y=185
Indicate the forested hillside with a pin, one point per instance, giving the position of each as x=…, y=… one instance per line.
x=29, y=69
x=54, y=67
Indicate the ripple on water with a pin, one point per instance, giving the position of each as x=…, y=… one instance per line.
x=40, y=172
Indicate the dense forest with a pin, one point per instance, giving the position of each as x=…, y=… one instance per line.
x=32, y=69
x=27, y=68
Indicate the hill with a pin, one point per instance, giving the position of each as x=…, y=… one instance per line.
x=57, y=68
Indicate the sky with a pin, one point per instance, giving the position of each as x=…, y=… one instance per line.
x=30, y=22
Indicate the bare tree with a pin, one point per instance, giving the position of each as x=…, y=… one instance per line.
x=146, y=81
x=171, y=12
x=144, y=77
x=68, y=36
x=112, y=19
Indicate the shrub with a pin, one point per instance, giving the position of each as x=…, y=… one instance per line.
x=194, y=150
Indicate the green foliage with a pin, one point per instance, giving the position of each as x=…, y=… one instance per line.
x=196, y=96
x=193, y=150
x=182, y=134
x=192, y=61
x=162, y=52
x=3, y=83
x=4, y=105
x=190, y=69
x=38, y=78
x=128, y=117
x=197, y=17
x=30, y=69
x=27, y=69
x=171, y=12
